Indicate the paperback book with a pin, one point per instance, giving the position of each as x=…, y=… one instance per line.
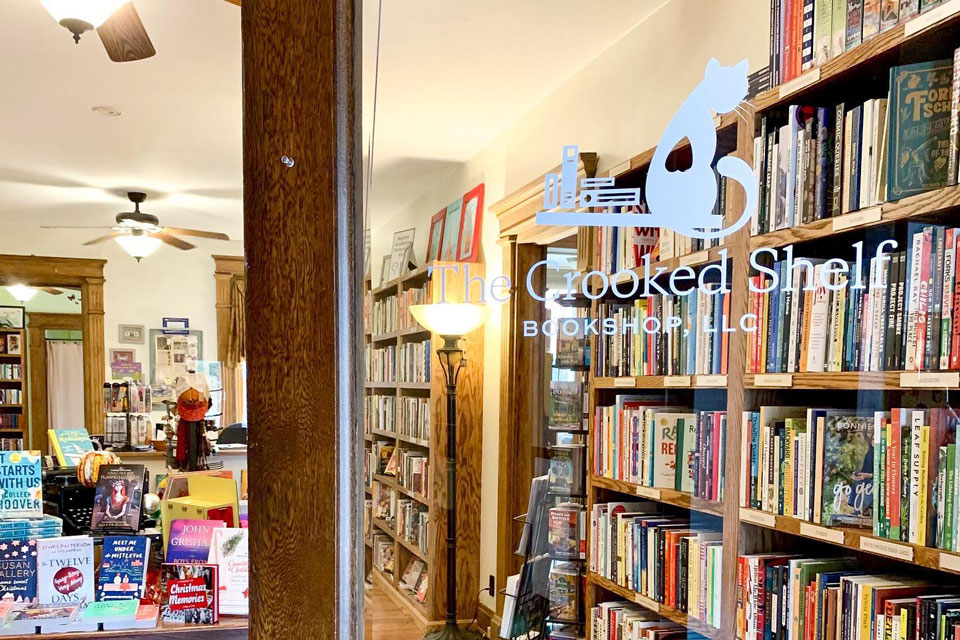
x=116, y=505
x=21, y=485
x=123, y=569
x=65, y=570
x=229, y=551
x=18, y=571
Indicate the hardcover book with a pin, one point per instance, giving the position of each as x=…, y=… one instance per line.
x=848, y=471
x=190, y=593
x=18, y=571
x=228, y=550
x=21, y=485
x=919, y=134
x=190, y=540
x=69, y=445
x=116, y=506
x=123, y=569
x=566, y=405
x=65, y=570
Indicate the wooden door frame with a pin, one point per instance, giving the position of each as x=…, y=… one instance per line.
x=87, y=275
x=37, y=326
x=226, y=268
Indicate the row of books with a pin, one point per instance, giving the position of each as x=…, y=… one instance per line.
x=383, y=552
x=781, y=595
x=414, y=361
x=11, y=444
x=384, y=503
x=407, y=298
x=10, y=420
x=11, y=396
x=620, y=248
x=809, y=463
x=663, y=558
x=380, y=412
x=414, y=579
x=915, y=477
x=413, y=471
x=639, y=440
x=11, y=372
x=381, y=363
x=830, y=160
x=382, y=452
x=412, y=523
x=384, y=318
x=413, y=419
x=129, y=395
x=806, y=33
x=134, y=429
x=618, y=619
x=665, y=335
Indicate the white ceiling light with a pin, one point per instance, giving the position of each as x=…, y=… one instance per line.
x=138, y=245
x=81, y=15
x=21, y=292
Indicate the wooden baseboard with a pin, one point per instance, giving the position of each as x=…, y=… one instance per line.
x=405, y=603
x=487, y=619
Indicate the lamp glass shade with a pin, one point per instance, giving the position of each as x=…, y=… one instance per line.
x=449, y=318
x=21, y=292
x=138, y=246
x=94, y=12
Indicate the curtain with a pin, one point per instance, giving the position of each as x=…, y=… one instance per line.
x=237, y=344
x=65, y=384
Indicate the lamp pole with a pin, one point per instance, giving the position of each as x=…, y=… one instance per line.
x=452, y=362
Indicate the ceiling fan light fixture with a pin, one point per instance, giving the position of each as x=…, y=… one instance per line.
x=79, y=16
x=21, y=292
x=138, y=245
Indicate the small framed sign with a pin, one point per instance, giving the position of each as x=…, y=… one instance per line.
x=11, y=317
x=131, y=334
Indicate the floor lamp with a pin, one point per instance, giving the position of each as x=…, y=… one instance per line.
x=452, y=321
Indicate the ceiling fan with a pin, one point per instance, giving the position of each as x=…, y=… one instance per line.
x=116, y=21
x=140, y=234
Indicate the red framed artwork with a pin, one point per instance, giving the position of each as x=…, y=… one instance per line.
x=436, y=235
x=471, y=224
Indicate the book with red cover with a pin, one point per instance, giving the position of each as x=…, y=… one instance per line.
x=190, y=593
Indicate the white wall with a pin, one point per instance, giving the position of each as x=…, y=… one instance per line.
x=617, y=105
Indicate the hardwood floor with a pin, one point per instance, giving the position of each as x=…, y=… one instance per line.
x=385, y=620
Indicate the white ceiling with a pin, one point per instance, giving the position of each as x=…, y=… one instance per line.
x=453, y=75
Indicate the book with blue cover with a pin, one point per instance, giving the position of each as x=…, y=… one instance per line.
x=21, y=485
x=18, y=571
x=123, y=570
x=69, y=445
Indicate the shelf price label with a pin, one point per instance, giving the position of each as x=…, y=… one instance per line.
x=887, y=548
x=773, y=380
x=929, y=379
x=648, y=492
x=624, y=382
x=676, y=381
x=712, y=381
x=858, y=218
x=758, y=517
x=822, y=533
x=694, y=258
x=800, y=82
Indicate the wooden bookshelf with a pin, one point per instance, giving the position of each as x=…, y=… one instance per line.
x=431, y=613
x=7, y=384
x=745, y=530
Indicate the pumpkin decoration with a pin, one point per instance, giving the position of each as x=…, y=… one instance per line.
x=88, y=469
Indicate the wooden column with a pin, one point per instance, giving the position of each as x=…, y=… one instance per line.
x=303, y=246
x=94, y=355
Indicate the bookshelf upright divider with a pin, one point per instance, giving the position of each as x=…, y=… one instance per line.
x=428, y=393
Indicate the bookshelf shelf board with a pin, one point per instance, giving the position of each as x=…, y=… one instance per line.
x=854, y=539
x=851, y=380
x=412, y=331
x=385, y=527
x=415, y=386
x=669, y=613
x=411, y=440
x=386, y=289
x=381, y=386
x=632, y=383
x=690, y=260
x=11, y=356
x=933, y=202
x=17, y=380
x=846, y=64
x=367, y=542
x=393, y=484
x=11, y=406
x=385, y=337
x=412, y=548
x=665, y=496
x=384, y=433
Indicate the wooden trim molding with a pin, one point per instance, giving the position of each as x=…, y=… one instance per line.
x=226, y=268
x=37, y=326
x=303, y=243
x=87, y=274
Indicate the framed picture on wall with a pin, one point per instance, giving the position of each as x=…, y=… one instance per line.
x=451, y=231
x=470, y=225
x=131, y=334
x=122, y=355
x=13, y=344
x=11, y=317
x=436, y=236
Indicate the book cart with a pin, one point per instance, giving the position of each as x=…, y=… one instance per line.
x=852, y=76
x=388, y=385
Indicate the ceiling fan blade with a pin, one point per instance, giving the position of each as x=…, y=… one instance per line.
x=51, y=227
x=124, y=37
x=51, y=290
x=213, y=235
x=173, y=241
x=109, y=236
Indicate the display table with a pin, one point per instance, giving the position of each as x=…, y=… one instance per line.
x=229, y=628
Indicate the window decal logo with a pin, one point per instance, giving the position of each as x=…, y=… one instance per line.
x=679, y=200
